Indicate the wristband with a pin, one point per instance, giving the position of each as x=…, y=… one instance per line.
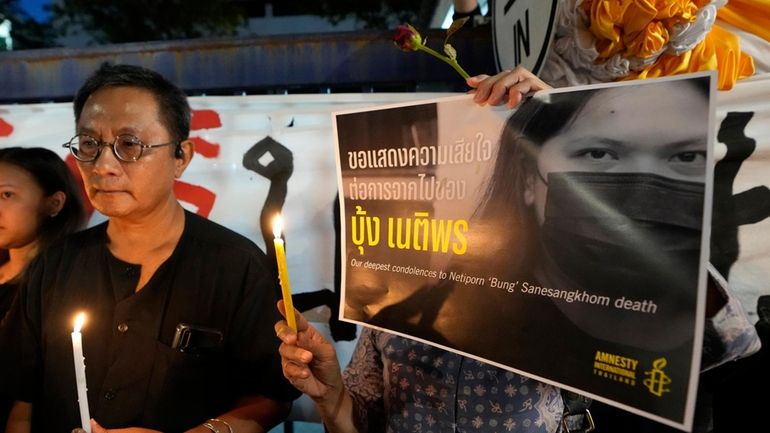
x=229, y=428
x=209, y=426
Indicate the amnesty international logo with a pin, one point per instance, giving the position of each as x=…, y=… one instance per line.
x=615, y=367
x=657, y=380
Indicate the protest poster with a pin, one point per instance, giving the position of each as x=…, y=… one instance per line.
x=566, y=240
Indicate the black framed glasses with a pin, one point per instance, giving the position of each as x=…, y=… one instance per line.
x=125, y=147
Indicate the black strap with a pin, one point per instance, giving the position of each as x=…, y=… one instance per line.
x=576, y=418
x=471, y=14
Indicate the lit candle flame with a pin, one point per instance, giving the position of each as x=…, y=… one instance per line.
x=277, y=226
x=79, y=320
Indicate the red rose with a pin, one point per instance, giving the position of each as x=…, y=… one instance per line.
x=407, y=38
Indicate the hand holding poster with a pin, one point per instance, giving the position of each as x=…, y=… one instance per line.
x=564, y=240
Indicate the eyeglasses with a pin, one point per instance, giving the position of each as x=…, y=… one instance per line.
x=125, y=147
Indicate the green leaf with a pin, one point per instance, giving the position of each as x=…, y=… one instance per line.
x=456, y=24
x=450, y=51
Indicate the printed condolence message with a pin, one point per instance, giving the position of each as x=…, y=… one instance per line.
x=562, y=240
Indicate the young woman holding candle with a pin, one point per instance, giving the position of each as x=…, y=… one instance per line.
x=40, y=203
x=396, y=384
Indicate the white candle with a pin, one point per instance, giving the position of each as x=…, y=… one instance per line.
x=80, y=372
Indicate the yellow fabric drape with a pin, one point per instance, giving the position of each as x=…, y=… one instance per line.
x=640, y=28
x=720, y=51
x=752, y=16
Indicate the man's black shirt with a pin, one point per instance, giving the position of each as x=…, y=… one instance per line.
x=214, y=278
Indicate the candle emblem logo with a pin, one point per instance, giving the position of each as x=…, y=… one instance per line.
x=80, y=372
x=283, y=273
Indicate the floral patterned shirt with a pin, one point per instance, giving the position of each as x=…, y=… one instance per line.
x=400, y=385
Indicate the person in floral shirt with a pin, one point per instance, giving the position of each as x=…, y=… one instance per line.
x=425, y=389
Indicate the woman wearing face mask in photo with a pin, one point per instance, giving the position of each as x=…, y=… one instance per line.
x=614, y=179
x=593, y=213
x=39, y=204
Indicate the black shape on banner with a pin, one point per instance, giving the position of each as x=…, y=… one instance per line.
x=734, y=210
x=278, y=171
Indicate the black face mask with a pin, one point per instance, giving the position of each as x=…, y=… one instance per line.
x=618, y=234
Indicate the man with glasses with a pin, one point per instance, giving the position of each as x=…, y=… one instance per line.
x=180, y=311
